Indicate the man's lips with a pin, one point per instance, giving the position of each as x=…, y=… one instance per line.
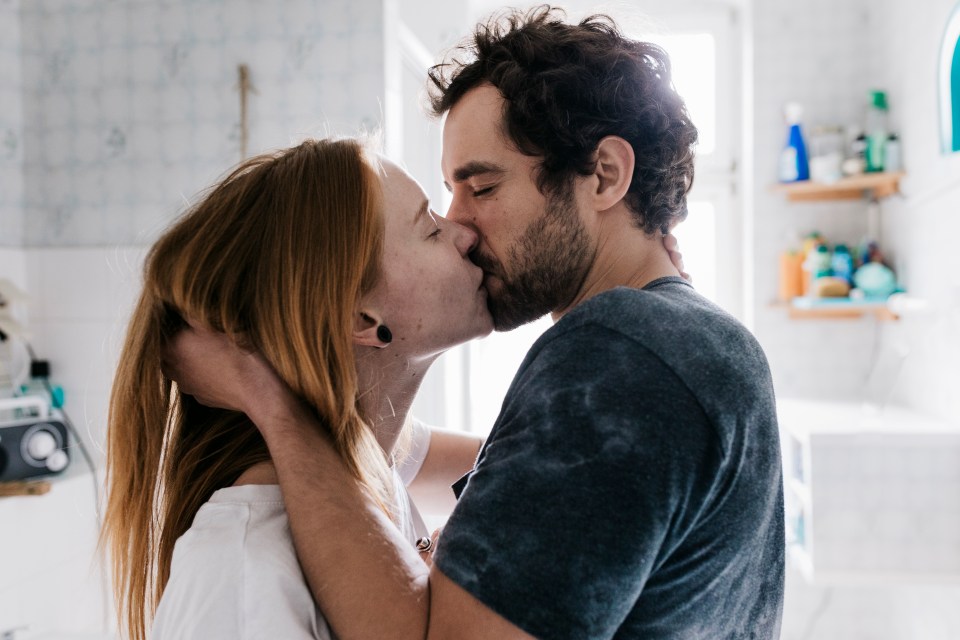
x=484, y=278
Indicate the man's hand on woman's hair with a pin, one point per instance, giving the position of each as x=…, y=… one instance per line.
x=214, y=369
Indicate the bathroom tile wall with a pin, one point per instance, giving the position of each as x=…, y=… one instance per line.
x=132, y=107
x=11, y=126
x=827, y=55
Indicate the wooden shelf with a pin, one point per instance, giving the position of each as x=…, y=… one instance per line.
x=869, y=185
x=836, y=310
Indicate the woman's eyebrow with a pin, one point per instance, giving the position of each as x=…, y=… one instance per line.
x=421, y=212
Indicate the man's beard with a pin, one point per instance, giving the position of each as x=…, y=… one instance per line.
x=548, y=265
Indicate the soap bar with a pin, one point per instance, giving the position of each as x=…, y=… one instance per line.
x=830, y=287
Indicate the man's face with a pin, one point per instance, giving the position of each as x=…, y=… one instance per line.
x=534, y=249
x=429, y=292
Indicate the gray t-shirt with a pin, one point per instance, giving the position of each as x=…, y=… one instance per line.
x=631, y=486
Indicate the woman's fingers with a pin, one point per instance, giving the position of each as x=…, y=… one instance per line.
x=427, y=546
x=673, y=249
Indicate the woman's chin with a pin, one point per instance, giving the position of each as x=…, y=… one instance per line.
x=487, y=328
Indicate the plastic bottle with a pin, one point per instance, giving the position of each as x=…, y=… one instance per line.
x=791, y=275
x=810, y=243
x=816, y=265
x=892, y=157
x=821, y=262
x=876, y=130
x=793, y=159
x=856, y=161
x=842, y=263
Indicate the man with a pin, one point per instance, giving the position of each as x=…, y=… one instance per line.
x=631, y=486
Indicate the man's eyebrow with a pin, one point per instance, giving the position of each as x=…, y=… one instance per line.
x=475, y=168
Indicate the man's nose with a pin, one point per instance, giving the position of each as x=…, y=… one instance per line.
x=458, y=213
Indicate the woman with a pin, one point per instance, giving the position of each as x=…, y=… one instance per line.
x=331, y=265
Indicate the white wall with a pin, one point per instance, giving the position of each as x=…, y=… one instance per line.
x=827, y=54
x=924, y=225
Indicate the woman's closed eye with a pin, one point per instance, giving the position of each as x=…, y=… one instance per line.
x=437, y=228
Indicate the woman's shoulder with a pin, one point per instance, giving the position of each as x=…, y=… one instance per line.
x=235, y=573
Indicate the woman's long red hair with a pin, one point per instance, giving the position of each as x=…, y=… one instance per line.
x=280, y=251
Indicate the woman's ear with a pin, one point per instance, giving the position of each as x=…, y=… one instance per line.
x=365, y=324
x=614, y=171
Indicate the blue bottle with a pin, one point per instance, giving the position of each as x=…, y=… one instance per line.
x=842, y=263
x=793, y=159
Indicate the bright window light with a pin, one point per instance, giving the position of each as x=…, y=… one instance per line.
x=697, y=238
x=693, y=58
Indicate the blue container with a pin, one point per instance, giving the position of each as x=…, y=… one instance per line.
x=842, y=263
x=794, y=166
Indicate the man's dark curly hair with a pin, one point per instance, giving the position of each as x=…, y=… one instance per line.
x=568, y=86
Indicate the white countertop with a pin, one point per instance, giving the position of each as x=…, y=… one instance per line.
x=813, y=416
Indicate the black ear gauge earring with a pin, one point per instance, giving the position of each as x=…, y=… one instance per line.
x=384, y=334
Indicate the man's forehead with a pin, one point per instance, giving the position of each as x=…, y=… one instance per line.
x=478, y=113
x=473, y=136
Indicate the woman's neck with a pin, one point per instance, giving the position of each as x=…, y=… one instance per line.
x=388, y=384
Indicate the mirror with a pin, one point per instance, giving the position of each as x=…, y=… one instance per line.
x=950, y=85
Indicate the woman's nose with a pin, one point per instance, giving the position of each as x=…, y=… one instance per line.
x=466, y=239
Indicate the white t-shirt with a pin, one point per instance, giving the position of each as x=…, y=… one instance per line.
x=235, y=572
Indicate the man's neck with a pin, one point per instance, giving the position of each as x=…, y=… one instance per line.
x=625, y=257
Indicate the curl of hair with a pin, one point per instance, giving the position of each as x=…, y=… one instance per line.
x=566, y=87
x=279, y=253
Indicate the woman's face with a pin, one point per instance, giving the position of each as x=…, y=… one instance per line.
x=429, y=294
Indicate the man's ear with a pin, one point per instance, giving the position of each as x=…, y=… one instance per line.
x=614, y=171
x=365, y=323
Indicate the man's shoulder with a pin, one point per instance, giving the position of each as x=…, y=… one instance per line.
x=668, y=318
x=668, y=309
x=665, y=337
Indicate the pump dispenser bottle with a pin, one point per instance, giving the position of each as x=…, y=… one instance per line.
x=793, y=159
x=877, y=131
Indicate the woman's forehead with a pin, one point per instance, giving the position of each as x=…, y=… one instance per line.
x=400, y=190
